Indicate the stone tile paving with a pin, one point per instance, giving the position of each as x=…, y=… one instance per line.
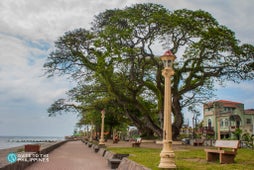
x=73, y=155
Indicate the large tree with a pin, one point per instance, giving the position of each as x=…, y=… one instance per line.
x=120, y=53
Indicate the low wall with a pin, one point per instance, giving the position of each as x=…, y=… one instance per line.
x=129, y=164
x=125, y=162
x=22, y=165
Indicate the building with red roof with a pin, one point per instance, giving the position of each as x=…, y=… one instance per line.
x=223, y=117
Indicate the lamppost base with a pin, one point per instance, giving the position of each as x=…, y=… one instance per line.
x=167, y=160
x=101, y=143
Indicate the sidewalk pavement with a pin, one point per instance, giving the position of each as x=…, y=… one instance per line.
x=73, y=155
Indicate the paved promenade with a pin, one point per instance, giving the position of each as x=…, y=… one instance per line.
x=73, y=155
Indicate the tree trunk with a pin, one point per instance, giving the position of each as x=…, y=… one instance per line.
x=146, y=127
x=138, y=123
x=110, y=132
x=178, y=121
x=150, y=125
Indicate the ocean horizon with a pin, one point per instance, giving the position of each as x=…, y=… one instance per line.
x=15, y=141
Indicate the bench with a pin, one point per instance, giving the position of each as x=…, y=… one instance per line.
x=96, y=148
x=115, y=139
x=115, y=160
x=90, y=145
x=198, y=142
x=112, y=161
x=137, y=142
x=225, y=152
x=32, y=148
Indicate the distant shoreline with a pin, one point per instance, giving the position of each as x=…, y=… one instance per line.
x=16, y=141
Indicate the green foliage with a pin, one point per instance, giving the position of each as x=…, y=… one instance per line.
x=116, y=61
x=248, y=139
x=237, y=133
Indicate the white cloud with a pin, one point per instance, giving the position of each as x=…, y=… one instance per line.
x=21, y=72
x=46, y=19
x=236, y=15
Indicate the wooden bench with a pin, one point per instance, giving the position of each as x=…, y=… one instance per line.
x=225, y=152
x=137, y=142
x=32, y=148
x=115, y=139
x=198, y=142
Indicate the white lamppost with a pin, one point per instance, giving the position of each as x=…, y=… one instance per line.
x=101, y=141
x=167, y=154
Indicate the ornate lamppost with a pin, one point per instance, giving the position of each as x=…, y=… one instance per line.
x=167, y=154
x=101, y=141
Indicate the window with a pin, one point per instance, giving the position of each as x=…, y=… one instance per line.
x=221, y=123
x=208, y=109
x=226, y=122
x=248, y=121
x=229, y=109
x=209, y=123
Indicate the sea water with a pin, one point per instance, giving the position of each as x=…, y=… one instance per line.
x=14, y=141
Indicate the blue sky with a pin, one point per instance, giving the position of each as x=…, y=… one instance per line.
x=28, y=29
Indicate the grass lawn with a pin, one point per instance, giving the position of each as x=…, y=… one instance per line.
x=192, y=159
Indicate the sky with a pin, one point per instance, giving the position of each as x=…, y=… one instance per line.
x=28, y=29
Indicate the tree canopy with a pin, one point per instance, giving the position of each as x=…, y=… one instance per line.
x=117, y=60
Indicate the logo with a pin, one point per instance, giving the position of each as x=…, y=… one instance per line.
x=11, y=157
